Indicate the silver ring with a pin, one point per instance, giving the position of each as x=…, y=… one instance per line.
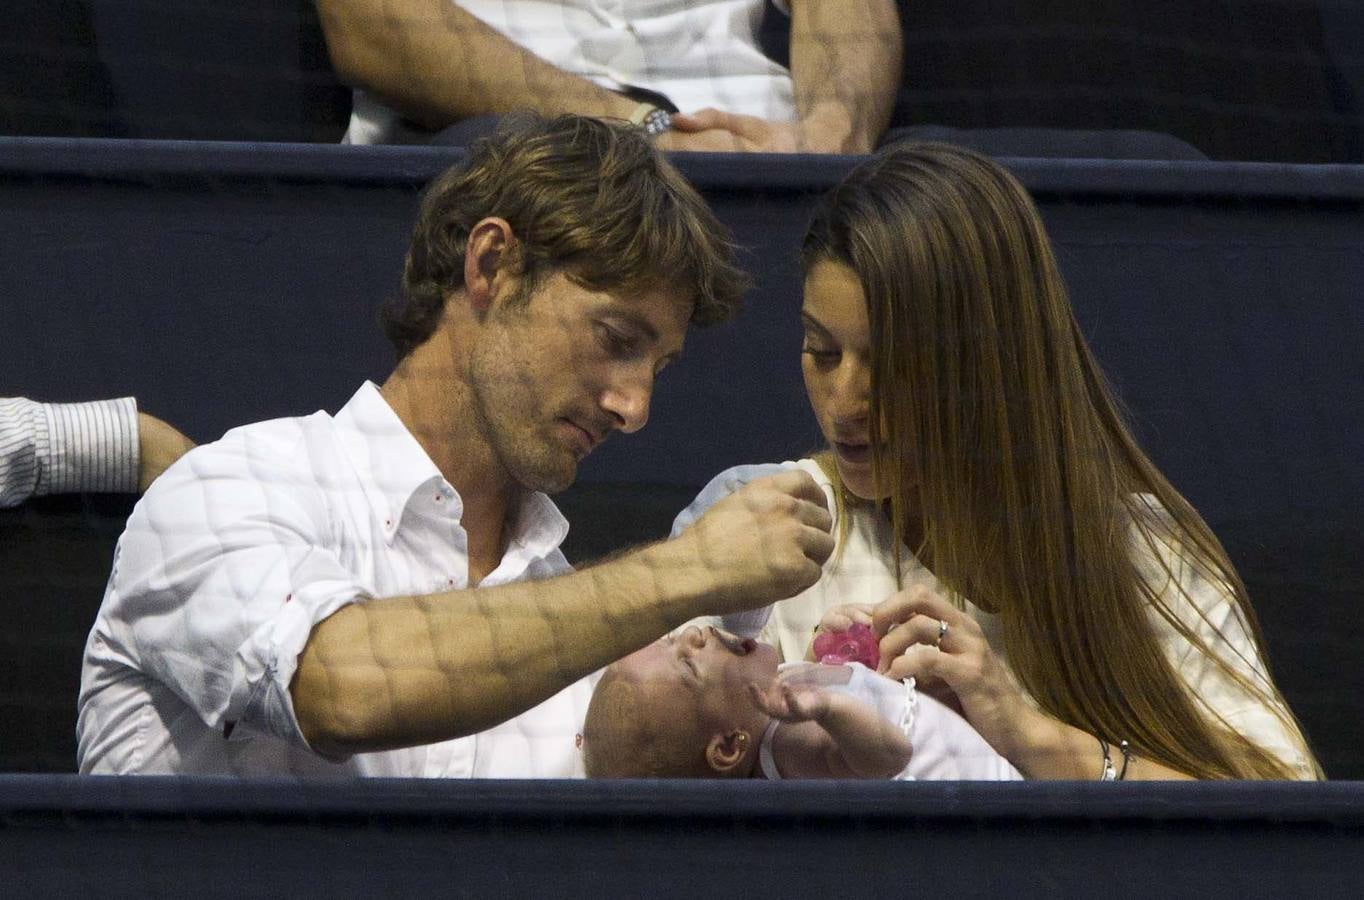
x=942, y=633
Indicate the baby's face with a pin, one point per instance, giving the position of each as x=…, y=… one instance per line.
x=707, y=670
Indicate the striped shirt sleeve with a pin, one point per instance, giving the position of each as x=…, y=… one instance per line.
x=66, y=448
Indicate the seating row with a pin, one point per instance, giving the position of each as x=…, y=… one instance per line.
x=139, y=836
x=226, y=283
x=1238, y=79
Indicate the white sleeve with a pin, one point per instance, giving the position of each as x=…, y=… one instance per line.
x=220, y=578
x=20, y=421
x=60, y=448
x=1207, y=608
x=947, y=748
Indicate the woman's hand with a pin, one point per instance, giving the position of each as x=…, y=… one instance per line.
x=844, y=616
x=839, y=618
x=925, y=636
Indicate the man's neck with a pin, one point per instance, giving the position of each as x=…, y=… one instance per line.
x=434, y=405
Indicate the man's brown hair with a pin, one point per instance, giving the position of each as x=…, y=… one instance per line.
x=591, y=198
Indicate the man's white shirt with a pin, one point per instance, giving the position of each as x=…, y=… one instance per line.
x=233, y=556
x=697, y=53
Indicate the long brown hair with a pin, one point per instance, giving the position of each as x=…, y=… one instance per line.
x=1026, y=481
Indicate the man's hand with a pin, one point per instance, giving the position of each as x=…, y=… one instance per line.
x=158, y=445
x=716, y=130
x=765, y=542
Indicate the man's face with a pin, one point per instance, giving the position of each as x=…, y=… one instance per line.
x=553, y=377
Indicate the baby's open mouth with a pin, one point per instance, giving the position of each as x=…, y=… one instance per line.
x=733, y=643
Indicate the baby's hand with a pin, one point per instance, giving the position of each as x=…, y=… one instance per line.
x=788, y=702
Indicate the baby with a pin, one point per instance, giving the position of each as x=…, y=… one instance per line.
x=704, y=703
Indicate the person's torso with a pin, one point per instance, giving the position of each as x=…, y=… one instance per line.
x=696, y=53
x=425, y=552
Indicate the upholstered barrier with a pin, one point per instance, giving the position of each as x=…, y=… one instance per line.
x=225, y=283
x=138, y=837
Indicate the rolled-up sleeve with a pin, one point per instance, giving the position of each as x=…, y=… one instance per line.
x=20, y=421
x=219, y=580
x=60, y=448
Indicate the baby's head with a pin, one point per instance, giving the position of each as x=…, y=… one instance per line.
x=679, y=708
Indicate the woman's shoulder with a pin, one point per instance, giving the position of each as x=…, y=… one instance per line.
x=1163, y=553
x=1186, y=587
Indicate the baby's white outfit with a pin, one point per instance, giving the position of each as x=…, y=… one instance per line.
x=946, y=747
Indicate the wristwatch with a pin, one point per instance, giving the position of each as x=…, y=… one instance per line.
x=653, y=120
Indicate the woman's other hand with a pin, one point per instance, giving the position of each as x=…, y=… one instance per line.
x=924, y=636
x=839, y=618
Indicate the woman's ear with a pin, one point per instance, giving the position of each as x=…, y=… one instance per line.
x=726, y=750
x=486, y=253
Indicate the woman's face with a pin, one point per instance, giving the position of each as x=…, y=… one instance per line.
x=836, y=361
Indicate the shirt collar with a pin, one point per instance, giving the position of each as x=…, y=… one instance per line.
x=539, y=527
x=390, y=462
x=393, y=467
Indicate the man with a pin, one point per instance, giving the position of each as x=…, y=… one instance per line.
x=381, y=592
x=422, y=65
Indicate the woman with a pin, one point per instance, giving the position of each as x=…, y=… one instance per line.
x=1042, y=574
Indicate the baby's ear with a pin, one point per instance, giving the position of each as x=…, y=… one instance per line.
x=726, y=750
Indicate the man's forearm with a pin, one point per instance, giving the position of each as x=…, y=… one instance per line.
x=404, y=671
x=846, y=61
x=438, y=63
x=412, y=670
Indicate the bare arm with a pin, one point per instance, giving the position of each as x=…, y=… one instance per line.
x=831, y=735
x=413, y=670
x=438, y=63
x=1049, y=748
x=846, y=62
